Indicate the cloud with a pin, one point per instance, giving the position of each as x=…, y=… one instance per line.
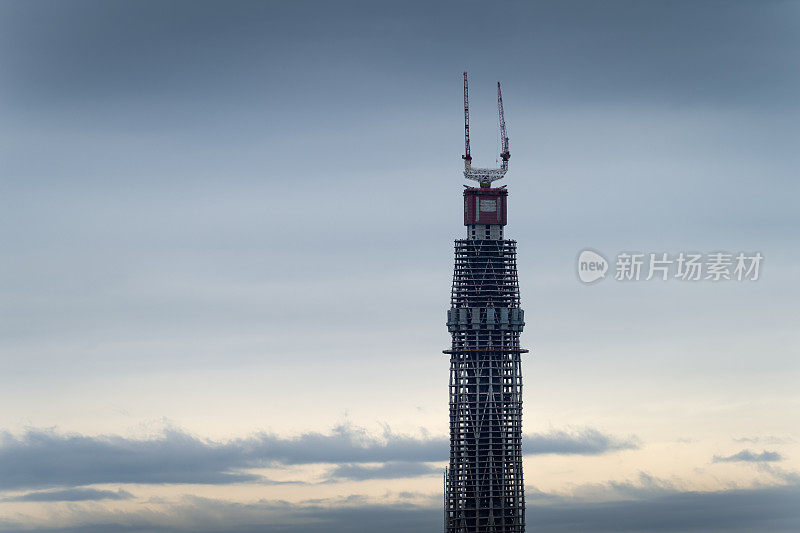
x=773, y=509
x=389, y=470
x=70, y=495
x=644, y=486
x=345, y=444
x=746, y=456
x=656, y=67
x=791, y=477
x=46, y=458
x=769, y=439
x=588, y=441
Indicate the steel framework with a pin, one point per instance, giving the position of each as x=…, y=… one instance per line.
x=483, y=484
x=483, y=487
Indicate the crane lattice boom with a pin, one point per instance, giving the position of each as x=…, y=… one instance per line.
x=505, y=155
x=485, y=175
x=466, y=157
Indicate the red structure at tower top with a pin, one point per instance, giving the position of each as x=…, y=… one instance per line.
x=485, y=205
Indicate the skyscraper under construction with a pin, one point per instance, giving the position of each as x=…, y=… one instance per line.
x=484, y=490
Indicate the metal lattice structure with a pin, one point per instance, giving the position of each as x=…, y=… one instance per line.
x=485, y=175
x=483, y=487
x=483, y=484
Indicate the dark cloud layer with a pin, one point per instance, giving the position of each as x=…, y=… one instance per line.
x=585, y=442
x=618, y=50
x=774, y=510
x=40, y=458
x=746, y=456
x=71, y=495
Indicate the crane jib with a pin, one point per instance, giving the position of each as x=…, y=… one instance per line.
x=485, y=175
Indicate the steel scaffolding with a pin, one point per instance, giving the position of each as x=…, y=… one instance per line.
x=484, y=490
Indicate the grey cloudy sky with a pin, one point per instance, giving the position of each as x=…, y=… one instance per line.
x=227, y=233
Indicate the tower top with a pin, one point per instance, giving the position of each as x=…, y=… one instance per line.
x=485, y=205
x=485, y=176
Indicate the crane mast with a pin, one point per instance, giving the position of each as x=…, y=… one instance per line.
x=505, y=155
x=466, y=157
x=485, y=176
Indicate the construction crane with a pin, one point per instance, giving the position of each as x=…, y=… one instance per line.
x=485, y=176
x=466, y=157
x=505, y=155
